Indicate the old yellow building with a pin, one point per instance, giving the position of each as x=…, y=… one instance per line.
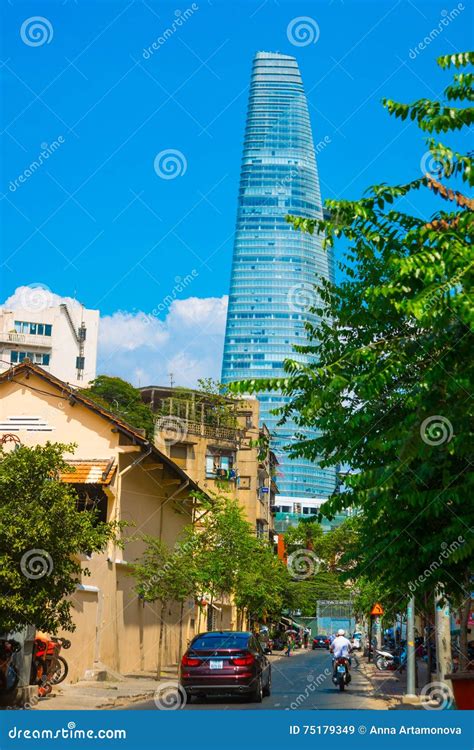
x=219, y=443
x=120, y=472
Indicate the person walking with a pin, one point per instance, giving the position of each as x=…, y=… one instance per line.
x=289, y=644
x=306, y=637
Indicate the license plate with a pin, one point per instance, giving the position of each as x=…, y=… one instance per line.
x=216, y=664
x=341, y=668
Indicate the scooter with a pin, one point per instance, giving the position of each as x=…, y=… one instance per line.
x=385, y=660
x=341, y=675
x=48, y=668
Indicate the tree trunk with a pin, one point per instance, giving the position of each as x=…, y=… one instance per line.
x=180, y=639
x=463, y=638
x=370, y=638
x=443, y=638
x=160, y=642
x=428, y=634
x=198, y=629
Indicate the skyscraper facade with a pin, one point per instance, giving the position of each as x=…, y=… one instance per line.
x=274, y=267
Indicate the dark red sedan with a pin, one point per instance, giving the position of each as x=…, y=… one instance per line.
x=226, y=663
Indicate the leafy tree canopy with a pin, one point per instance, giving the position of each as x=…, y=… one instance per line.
x=42, y=534
x=123, y=400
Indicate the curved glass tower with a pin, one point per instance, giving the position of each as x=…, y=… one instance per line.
x=274, y=267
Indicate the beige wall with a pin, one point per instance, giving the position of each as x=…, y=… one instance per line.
x=112, y=625
x=256, y=506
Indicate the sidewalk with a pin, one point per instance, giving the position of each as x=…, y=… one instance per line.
x=392, y=686
x=84, y=695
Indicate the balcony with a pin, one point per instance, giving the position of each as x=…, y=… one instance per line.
x=21, y=339
x=213, y=432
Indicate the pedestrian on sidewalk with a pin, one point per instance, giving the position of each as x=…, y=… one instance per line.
x=306, y=634
x=289, y=644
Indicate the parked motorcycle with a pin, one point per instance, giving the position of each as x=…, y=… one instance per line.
x=48, y=668
x=341, y=676
x=386, y=660
x=8, y=672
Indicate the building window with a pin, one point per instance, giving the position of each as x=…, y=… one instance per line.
x=179, y=454
x=35, y=357
x=80, y=361
x=33, y=329
x=220, y=466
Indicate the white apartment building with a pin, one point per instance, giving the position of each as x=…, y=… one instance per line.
x=61, y=339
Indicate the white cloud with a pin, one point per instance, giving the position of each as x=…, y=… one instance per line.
x=144, y=349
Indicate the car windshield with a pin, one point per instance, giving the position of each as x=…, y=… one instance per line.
x=221, y=640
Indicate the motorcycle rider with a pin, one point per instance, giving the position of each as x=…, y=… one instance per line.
x=340, y=647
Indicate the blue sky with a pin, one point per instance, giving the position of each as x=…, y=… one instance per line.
x=97, y=222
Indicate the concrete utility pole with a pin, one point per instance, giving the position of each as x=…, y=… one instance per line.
x=411, y=661
x=378, y=632
x=443, y=638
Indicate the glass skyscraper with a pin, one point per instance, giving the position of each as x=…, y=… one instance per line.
x=274, y=267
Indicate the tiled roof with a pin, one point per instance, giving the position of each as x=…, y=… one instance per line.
x=97, y=471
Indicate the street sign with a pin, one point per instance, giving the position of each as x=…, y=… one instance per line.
x=376, y=610
x=264, y=489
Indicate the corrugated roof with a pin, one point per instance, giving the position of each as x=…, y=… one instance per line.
x=97, y=471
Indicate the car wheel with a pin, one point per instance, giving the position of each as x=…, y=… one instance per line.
x=267, y=690
x=257, y=694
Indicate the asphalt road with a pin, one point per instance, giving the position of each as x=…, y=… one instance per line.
x=299, y=682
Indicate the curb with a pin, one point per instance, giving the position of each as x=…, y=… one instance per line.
x=394, y=700
x=126, y=699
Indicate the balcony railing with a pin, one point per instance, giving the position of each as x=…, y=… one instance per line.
x=11, y=337
x=214, y=432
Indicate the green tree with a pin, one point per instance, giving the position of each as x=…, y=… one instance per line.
x=165, y=575
x=307, y=535
x=334, y=547
x=262, y=586
x=303, y=595
x=223, y=542
x=123, y=400
x=42, y=534
x=390, y=369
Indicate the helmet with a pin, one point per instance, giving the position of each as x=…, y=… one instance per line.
x=341, y=631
